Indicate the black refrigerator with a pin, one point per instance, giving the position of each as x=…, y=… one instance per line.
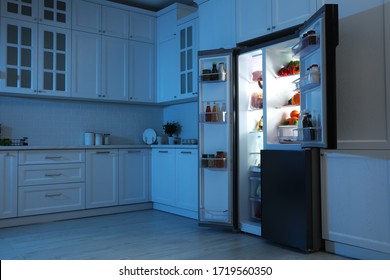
x=281, y=95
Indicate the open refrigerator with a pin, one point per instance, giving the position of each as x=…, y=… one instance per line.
x=281, y=96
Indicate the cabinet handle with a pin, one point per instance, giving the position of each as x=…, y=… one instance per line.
x=188, y=153
x=53, y=194
x=53, y=157
x=53, y=174
x=163, y=152
x=273, y=27
x=133, y=152
x=103, y=152
x=269, y=28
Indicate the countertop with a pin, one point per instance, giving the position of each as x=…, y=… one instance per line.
x=78, y=147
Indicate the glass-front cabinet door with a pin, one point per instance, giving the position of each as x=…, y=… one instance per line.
x=54, y=61
x=51, y=12
x=55, y=12
x=20, y=9
x=188, y=59
x=18, y=46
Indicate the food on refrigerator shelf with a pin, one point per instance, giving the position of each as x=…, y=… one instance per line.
x=293, y=119
x=257, y=100
x=258, y=76
x=294, y=114
x=292, y=68
x=259, y=124
x=295, y=100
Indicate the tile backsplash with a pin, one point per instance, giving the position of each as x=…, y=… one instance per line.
x=49, y=122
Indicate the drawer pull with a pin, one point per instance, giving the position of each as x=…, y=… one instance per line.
x=53, y=174
x=104, y=152
x=188, y=153
x=133, y=152
x=53, y=157
x=53, y=194
x=163, y=152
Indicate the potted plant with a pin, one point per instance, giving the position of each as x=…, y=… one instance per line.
x=171, y=128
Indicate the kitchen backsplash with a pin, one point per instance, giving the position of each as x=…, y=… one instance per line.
x=60, y=122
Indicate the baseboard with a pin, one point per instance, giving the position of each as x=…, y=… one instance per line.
x=45, y=218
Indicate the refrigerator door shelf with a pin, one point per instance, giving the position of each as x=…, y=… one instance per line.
x=213, y=118
x=307, y=82
x=306, y=46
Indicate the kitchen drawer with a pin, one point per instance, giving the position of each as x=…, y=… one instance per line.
x=45, y=174
x=35, y=200
x=51, y=156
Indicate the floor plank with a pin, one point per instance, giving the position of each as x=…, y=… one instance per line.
x=141, y=235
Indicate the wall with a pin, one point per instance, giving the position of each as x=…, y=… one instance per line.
x=63, y=122
x=187, y=115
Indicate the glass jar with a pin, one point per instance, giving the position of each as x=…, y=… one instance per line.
x=220, y=162
x=211, y=161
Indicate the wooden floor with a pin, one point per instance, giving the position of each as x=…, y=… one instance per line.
x=142, y=235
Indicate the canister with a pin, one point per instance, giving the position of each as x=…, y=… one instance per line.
x=89, y=138
x=98, y=138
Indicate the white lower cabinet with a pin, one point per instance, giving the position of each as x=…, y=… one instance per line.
x=355, y=191
x=50, y=181
x=43, y=199
x=134, y=176
x=101, y=178
x=175, y=180
x=163, y=176
x=8, y=184
x=187, y=179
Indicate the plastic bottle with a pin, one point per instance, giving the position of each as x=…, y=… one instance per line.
x=222, y=72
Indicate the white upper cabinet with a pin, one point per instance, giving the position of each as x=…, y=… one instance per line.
x=115, y=22
x=286, y=14
x=188, y=58
x=253, y=18
x=256, y=18
x=24, y=10
x=50, y=12
x=86, y=61
x=115, y=63
x=54, y=63
x=18, y=45
x=95, y=18
x=100, y=66
x=142, y=72
x=86, y=16
x=142, y=27
x=38, y=58
x=217, y=24
x=168, y=54
x=55, y=12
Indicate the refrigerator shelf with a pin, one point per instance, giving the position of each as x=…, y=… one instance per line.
x=255, y=208
x=307, y=82
x=306, y=46
x=213, y=163
x=211, y=78
x=255, y=169
x=215, y=215
x=213, y=118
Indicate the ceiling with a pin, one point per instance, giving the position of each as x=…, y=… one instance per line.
x=153, y=5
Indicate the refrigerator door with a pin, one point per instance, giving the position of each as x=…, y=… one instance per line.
x=316, y=51
x=291, y=198
x=217, y=194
